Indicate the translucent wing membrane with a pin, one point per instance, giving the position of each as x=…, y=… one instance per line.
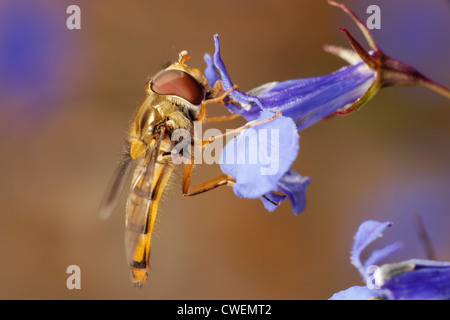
x=116, y=186
x=137, y=213
x=150, y=178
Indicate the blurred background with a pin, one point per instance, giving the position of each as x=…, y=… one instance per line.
x=67, y=96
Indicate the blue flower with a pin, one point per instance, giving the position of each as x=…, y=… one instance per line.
x=309, y=100
x=306, y=101
x=33, y=59
x=260, y=158
x=301, y=103
x=407, y=280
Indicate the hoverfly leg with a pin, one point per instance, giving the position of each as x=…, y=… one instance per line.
x=187, y=175
x=223, y=180
x=223, y=118
x=217, y=182
x=219, y=99
x=237, y=130
x=271, y=201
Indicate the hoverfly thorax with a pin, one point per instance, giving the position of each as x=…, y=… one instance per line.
x=145, y=128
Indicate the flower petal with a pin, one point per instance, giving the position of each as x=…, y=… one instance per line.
x=259, y=156
x=227, y=84
x=306, y=101
x=309, y=100
x=294, y=186
x=368, y=232
x=210, y=72
x=274, y=198
x=378, y=255
x=421, y=284
x=355, y=293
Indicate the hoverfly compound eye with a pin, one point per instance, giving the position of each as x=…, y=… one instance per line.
x=177, y=83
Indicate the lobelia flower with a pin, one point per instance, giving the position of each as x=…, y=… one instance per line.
x=258, y=167
x=407, y=280
x=303, y=102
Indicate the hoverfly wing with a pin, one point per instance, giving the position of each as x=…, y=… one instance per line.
x=139, y=214
x=138, y=205
x=115, y=187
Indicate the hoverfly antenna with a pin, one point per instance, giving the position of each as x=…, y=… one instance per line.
x=183, y=56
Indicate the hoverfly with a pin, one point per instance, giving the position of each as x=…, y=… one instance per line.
x=175, y=98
